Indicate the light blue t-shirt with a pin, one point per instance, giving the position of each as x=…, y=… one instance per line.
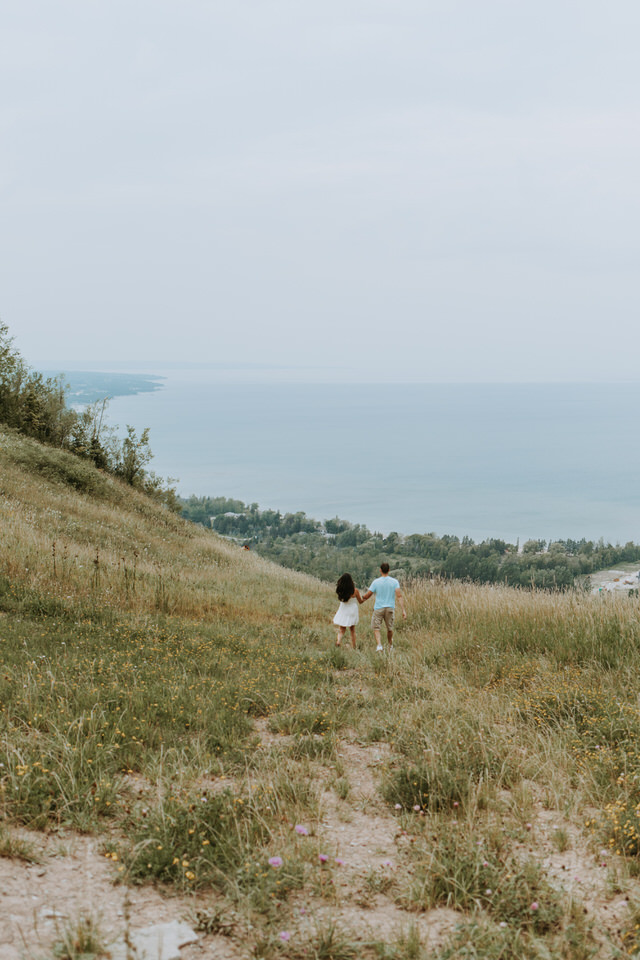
x=385, y=591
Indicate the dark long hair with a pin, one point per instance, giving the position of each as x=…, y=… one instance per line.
x=345, y=587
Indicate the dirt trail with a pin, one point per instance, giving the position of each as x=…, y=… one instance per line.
x=359, y=830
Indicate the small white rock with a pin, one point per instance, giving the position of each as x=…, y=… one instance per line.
x=159, y=942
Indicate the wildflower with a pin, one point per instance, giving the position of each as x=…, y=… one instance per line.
x=285, y=935
x=398, y=806
x=488, y=892
x=322, y=857
x=339, y=861
x=534, y=905
x=275, y=862
x=416, y=807
x=302, y=830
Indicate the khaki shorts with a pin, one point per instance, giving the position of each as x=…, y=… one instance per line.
x=384, y=613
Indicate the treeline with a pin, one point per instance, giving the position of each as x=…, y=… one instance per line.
x=37, y=407
x=328, y=548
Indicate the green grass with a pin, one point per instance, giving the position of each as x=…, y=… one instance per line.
x=80, y=938
x=183, y=701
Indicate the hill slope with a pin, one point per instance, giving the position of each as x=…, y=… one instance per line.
x=175, y=719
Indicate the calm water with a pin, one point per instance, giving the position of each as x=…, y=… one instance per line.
x=528, y=461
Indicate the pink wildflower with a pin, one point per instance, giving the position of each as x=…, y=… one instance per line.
x=275, y=862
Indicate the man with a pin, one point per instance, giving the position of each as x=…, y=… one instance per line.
x=387, y=591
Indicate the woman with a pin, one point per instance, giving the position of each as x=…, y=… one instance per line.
x=347, y=614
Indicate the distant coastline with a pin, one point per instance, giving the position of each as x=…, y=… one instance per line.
x=88, y=386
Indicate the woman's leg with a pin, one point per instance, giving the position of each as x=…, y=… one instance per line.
x=341, y=633
x=352, y=631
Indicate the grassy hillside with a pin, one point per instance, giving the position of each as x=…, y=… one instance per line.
x=175, y=707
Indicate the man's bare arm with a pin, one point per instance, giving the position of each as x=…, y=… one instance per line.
x=400, y=600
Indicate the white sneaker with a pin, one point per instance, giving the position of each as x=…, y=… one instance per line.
x=379, y=648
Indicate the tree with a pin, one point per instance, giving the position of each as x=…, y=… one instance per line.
x=134, y=455
x=533, y=546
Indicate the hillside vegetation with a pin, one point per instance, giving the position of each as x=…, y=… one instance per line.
x=324, y=549
x=179, y=703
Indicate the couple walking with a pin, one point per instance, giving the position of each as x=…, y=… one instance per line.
x=386, y=590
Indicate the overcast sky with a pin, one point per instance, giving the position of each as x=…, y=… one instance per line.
x=432, y=189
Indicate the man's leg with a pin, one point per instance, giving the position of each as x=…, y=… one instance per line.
x=376, y=623
x=388, y=619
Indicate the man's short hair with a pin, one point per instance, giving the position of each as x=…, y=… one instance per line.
x=384, y=567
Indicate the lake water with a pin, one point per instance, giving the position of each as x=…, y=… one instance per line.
x=509, y=461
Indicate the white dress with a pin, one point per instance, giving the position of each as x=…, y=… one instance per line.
x=348, y=614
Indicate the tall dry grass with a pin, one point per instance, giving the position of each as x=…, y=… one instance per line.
x=110, y=547
x=484, y=622
x=135, y=645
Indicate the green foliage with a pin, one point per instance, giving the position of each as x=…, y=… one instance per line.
x=81, y=938
x=14, y=847
x=466, y=871
x=29, y=403
x=313, y=747
x=602, y=731
x=327, y=549
x=202, y=509
x=482, y=940
x=36, y=407
x=189, y=840
x=133, y=456
x=61, y=466
x=448, y=780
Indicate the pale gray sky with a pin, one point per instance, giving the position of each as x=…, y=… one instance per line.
x=440, y=189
